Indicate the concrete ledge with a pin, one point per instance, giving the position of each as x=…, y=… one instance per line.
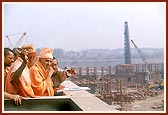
x=85, y=100
x=56, y=103
x=75, y=100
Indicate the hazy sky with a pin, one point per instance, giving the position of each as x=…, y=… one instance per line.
x=77, y=26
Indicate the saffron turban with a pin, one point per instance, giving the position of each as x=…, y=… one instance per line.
x=46, y=53
x=29, y=47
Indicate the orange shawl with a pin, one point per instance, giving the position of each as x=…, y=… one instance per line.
x=6, y=70
x=41, y=85
x=23, y=86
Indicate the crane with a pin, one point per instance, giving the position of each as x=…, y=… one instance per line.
x=148, y=77
x=10, y=43
x=18, y=43
x=140, y=53
x=20, y=40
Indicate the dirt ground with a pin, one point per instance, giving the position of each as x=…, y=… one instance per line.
x=146, y=105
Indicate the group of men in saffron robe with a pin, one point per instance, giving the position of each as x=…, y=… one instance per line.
x=30, y=74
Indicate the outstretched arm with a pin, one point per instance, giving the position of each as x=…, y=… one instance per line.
x=19, y=71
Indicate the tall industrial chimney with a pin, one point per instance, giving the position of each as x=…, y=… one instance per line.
x=127, y=51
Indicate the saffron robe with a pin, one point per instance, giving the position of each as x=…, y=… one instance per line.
x=23, y=85
x=6, y=70
x=41, y=84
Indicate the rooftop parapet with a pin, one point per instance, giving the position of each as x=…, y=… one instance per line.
x=76, y=99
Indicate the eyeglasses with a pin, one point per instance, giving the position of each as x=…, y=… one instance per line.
x=48, y=60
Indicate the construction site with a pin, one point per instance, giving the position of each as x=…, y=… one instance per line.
x=126, y=84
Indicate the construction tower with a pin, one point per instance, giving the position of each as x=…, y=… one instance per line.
x=127, y=51
x=18, y=43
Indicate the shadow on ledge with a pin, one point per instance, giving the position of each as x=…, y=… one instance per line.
x=42, y=104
